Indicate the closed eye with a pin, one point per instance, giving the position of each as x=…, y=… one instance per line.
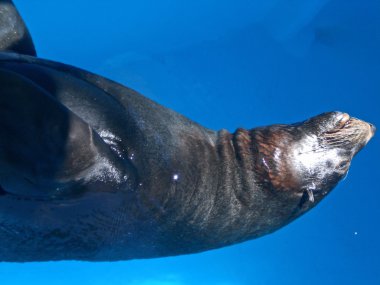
x=343, y=165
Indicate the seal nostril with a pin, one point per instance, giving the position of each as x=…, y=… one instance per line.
x=373, y=128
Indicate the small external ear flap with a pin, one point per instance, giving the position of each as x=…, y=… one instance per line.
x=14, y=35
x=310, y=194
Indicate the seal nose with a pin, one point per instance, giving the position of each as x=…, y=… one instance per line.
x=373, y=128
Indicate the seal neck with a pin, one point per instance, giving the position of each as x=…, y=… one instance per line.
x=255, y=163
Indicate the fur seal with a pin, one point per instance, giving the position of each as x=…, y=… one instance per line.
x=91, y=170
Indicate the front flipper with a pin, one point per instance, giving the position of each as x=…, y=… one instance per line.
x=45, y=149
x=14, y=35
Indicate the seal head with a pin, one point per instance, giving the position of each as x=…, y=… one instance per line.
x=309, y=158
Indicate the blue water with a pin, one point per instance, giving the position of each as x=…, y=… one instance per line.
x=229, y=64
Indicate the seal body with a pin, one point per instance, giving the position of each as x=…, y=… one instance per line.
x=91, y=170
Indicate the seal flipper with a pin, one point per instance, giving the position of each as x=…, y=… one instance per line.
x=14, y=35
x=45, y=149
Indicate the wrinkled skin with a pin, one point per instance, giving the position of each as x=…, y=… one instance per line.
x=91, y=170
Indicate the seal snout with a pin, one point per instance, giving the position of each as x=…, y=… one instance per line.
x=373, y=128
x=346, y=124
x=339, y=129
x=349, y=132
x=360, y=128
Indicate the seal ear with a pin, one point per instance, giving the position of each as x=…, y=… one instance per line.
x=14, y=35
x=45, y=147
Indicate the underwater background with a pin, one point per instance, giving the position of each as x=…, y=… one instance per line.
x=229, y=64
